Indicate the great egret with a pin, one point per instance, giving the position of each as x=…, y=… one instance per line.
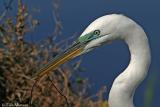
x=103, y=30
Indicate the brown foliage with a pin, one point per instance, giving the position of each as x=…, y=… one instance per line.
x=19, y=61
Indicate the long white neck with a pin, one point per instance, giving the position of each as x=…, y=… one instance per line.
x=124, y=86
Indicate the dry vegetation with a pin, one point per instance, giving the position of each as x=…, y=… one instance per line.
x=20, y=59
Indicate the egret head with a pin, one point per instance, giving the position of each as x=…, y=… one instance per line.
x=100, y=31
x=97, y=33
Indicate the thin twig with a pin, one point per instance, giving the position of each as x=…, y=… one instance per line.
x=58, y=91
x=57, y=19
x=30, y=100
x=7, y=7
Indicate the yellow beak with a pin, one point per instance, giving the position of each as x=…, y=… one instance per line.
x=70, y=53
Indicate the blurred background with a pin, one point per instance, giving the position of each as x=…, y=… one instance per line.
x=103, y=64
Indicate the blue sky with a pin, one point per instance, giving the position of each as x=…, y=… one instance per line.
x=105, y=63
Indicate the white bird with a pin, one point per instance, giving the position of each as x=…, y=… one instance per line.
x=106, y=29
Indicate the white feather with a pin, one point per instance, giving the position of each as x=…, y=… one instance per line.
x=121, y=27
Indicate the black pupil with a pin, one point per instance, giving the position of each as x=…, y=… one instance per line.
x=97, y=32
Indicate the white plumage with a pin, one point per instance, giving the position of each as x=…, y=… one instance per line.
x=120, y=27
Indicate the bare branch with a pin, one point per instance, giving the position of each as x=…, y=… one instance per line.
x=7, y=8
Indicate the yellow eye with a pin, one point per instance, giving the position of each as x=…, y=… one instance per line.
x=97, y=32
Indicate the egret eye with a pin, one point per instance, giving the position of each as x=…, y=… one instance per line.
x=97, y=32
